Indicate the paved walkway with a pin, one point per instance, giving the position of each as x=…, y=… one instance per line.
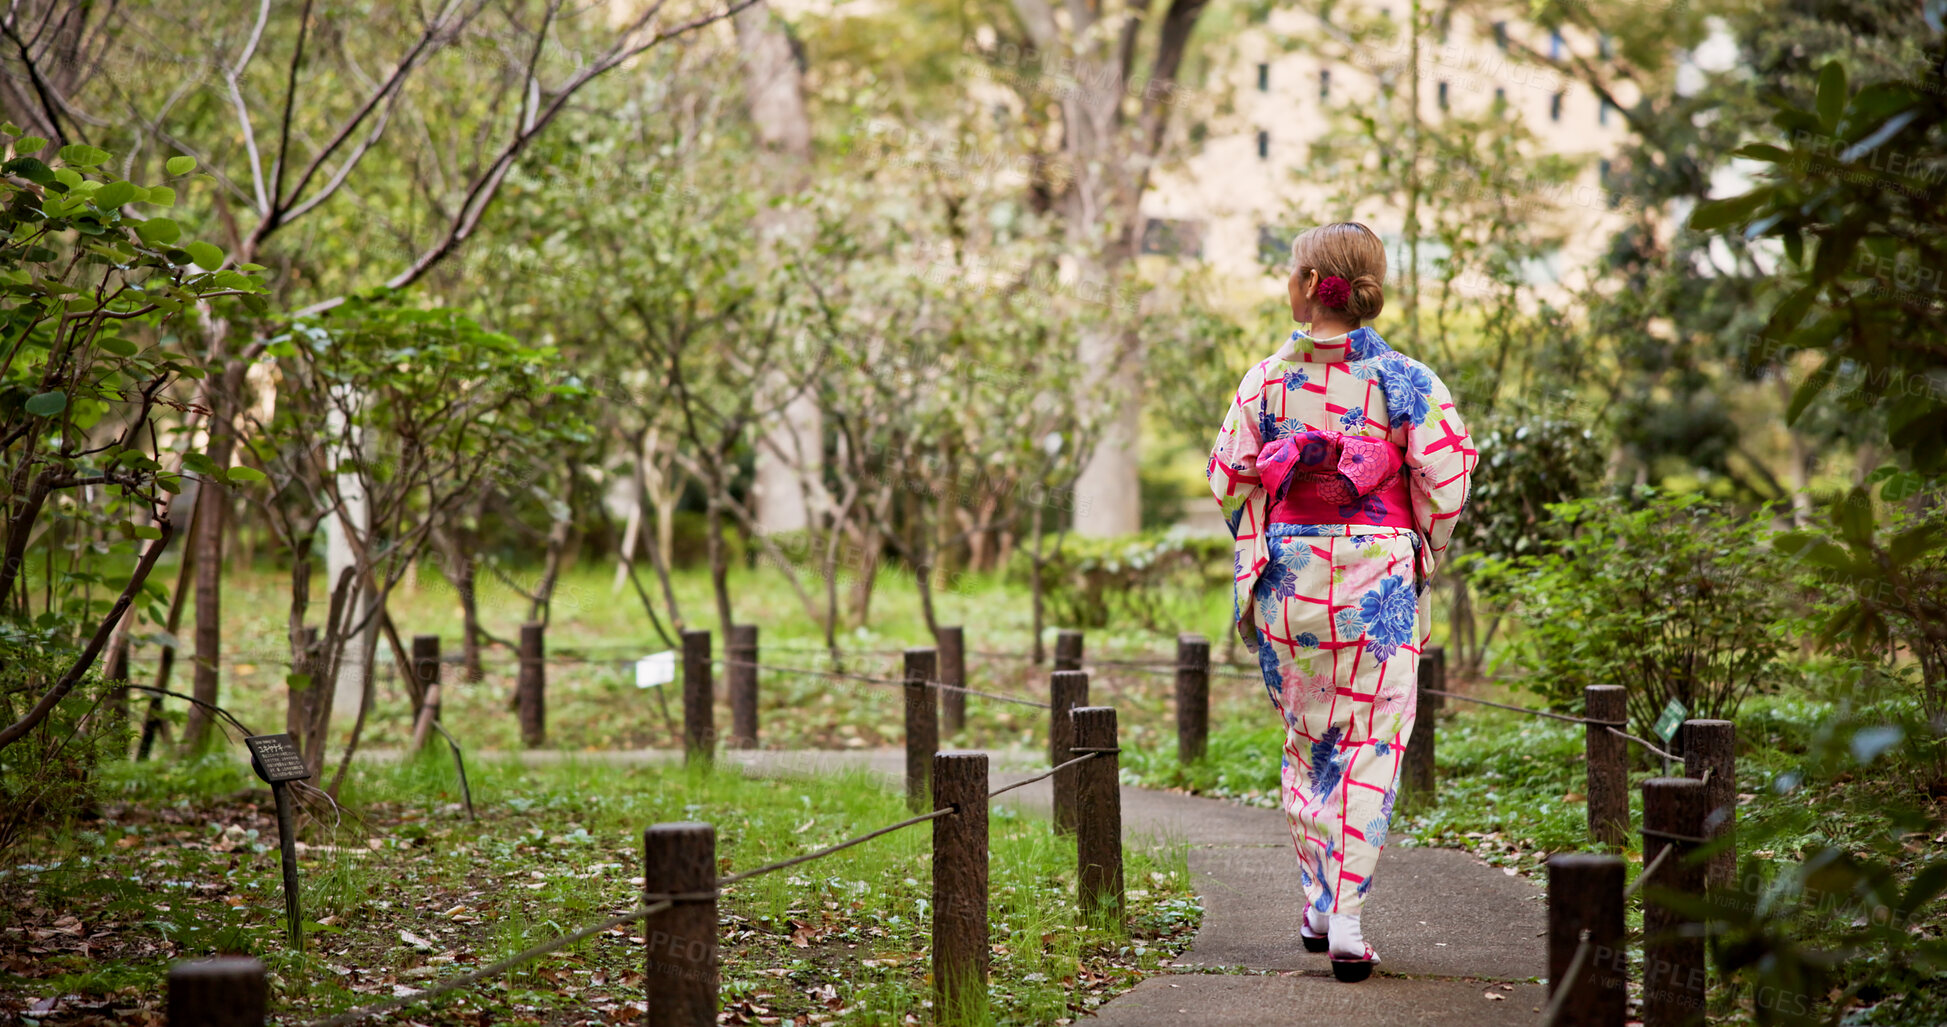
x=1451, y=930
x=1462, y=943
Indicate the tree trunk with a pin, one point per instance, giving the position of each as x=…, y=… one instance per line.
x=787, y=494
x=719, y=561
x=212, y=508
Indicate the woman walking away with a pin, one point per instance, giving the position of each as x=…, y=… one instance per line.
x=1341, y=468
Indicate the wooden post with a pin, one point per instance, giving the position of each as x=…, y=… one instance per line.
x=1608, y=759
x=1422, y=783
x=1098, y=836
x=1192, y=697
x=1067, y=689
x=1673, y=944
x=1068, y=650
x=960, y=931
x=741, y=673
x=531, y=691
x=1585, y=893
x=280, y=795
x=681, y=859
x=699, y=707
x=425, y=670
x=922, y=725
x=228, y=991
x=1712, y=745
x=952, y=642
x=1433, y=673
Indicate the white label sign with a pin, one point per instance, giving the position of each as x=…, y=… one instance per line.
x=656, y=669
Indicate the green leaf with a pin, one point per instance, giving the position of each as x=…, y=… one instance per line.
x=30, y=169
x=1832, y=94
x=117, y=345
x=29, y=144
x=114, y=194
x=1914, y=543
x=243, y=474
x=1727, y=212
x=1854, y=517
x=206, y=255
x=200, y=463
x=1762, y=151
x=159, y=231
x=47, y=404
x=180, y=165
x=1809, y=389
x=297, y=682
x=161, y=196
x=148, y=531
x=82, y=155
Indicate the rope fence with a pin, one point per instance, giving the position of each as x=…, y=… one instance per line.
x=1685, y=816
x=959, y=791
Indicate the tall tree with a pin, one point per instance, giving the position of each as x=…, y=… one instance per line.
x=1115, y=116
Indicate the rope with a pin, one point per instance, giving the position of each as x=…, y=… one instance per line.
x=1042, y=777
x=1637, y=884
x=897, y=682
x=1687, y=839
x=662, y=902
x=220, y=711
x=455, y=983
x=808, y=857
x=1561, y=987
x=1611, y=724
x=1645, y=745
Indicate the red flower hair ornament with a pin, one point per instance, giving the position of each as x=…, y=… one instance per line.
x=1334, y=291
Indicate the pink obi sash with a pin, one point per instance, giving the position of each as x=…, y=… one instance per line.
x=1326, y=477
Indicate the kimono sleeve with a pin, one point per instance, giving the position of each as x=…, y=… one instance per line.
x=1233, y=477
x=1440, y=456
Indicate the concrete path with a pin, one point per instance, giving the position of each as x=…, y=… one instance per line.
x=1462, y=943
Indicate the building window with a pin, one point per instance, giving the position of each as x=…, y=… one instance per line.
x=1555, y=46
x=1603, y=47
x=1500, y=98
x=1555, y=107
x=1274, y=245
x=1263, y=78
x=1324, y=83
x=1501, y=34
x=1443, y=95
x=1173, y=238
x=1602, y=112
x=1263, y=145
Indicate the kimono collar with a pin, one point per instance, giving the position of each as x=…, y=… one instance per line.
x=1361, y=344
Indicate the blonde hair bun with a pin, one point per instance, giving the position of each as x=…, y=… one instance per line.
x=1351, y=251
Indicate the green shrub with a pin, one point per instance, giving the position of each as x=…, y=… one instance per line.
x=1159, y=580
x=1669, y=596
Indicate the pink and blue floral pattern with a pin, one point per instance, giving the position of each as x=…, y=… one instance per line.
x=1338, y=613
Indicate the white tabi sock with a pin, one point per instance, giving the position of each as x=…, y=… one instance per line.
x=1346, y=941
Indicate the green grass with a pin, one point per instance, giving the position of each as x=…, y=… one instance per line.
x=841, y=939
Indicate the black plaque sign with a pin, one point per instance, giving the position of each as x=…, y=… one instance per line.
x=275, y=758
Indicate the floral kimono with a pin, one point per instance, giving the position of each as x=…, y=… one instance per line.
x=1341, y=469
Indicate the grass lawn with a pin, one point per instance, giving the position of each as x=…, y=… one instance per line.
x=404, y=891
x=592, y=701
